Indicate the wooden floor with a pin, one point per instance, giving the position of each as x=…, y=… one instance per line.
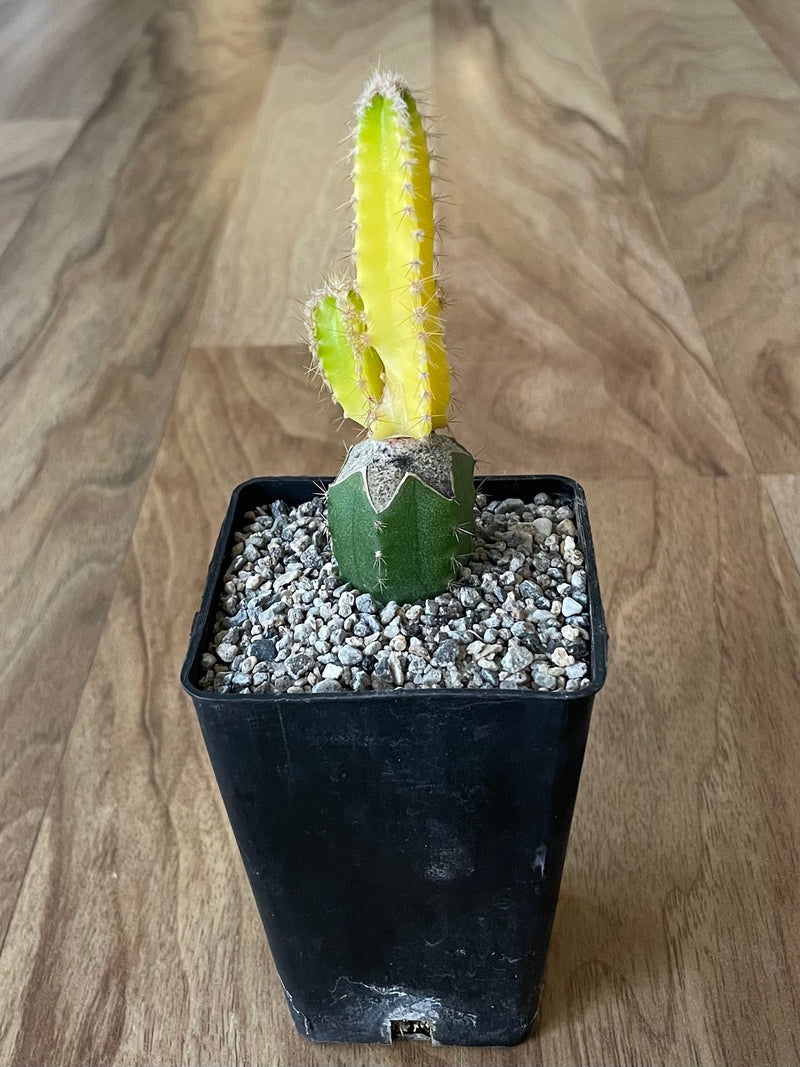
x=622, y=263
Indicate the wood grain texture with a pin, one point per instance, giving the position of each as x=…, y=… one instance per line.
x=29, y=150
x=784, y=492
x=136, y=939
x=778, y=22
x=58, y=60
x=100, y=295
x=284, y=230
x=712, y=116
x=622, y=262
x=557, y=266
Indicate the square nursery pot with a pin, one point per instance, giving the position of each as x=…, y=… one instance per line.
x=404, y=847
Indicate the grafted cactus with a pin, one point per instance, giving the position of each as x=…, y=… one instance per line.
x=400, y=511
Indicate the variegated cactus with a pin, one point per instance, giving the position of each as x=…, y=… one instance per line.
x=400, y=511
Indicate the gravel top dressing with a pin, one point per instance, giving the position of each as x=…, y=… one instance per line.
x=515, y=618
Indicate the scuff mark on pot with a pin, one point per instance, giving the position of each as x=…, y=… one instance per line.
x=448, y=857
x=538, y=861
x=395, y=1004
x=295, y=1010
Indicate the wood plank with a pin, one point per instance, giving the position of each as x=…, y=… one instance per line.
x=565, y=296
x=29, y=151
x=712, y=116
x=784, y=492
x=100, y=291
x=284, y=230
x=58, y=59
x=136, y=939
x=778, y=22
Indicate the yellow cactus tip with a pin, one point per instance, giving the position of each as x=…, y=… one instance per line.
x=383, y=83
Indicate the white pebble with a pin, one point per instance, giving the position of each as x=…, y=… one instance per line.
x=349, y=656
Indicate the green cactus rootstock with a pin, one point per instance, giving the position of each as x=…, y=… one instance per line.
x=400, y=515
x=400, y=512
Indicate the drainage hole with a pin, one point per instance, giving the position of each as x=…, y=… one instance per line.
x=411, y=1030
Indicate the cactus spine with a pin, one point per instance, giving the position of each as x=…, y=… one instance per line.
x=400, y=511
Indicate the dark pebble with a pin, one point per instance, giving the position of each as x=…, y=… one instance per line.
x=299, y=664
x=529, y=589
x=264, y=650
x=311, y=558
x=577, y=648
x=531, y=641
x=446, y=654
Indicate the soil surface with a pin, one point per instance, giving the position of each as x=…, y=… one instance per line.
x=516, y=618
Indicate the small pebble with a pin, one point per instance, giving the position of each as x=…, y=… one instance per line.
x=299, y=664
x=577, y=670
x=446, y=653
x=396, y=671
x=516, y=659
x=561, y=657
x=543, y=528
x=347, y=602
x=327, y=685
x=542, y=679
x=349, y=656
x=470, y=598
x=365, y=604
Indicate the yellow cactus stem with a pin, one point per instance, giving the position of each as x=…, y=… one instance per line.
x=337, y=337
x=394, y=259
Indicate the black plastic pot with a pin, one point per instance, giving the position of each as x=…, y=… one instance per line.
x=404, y=847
